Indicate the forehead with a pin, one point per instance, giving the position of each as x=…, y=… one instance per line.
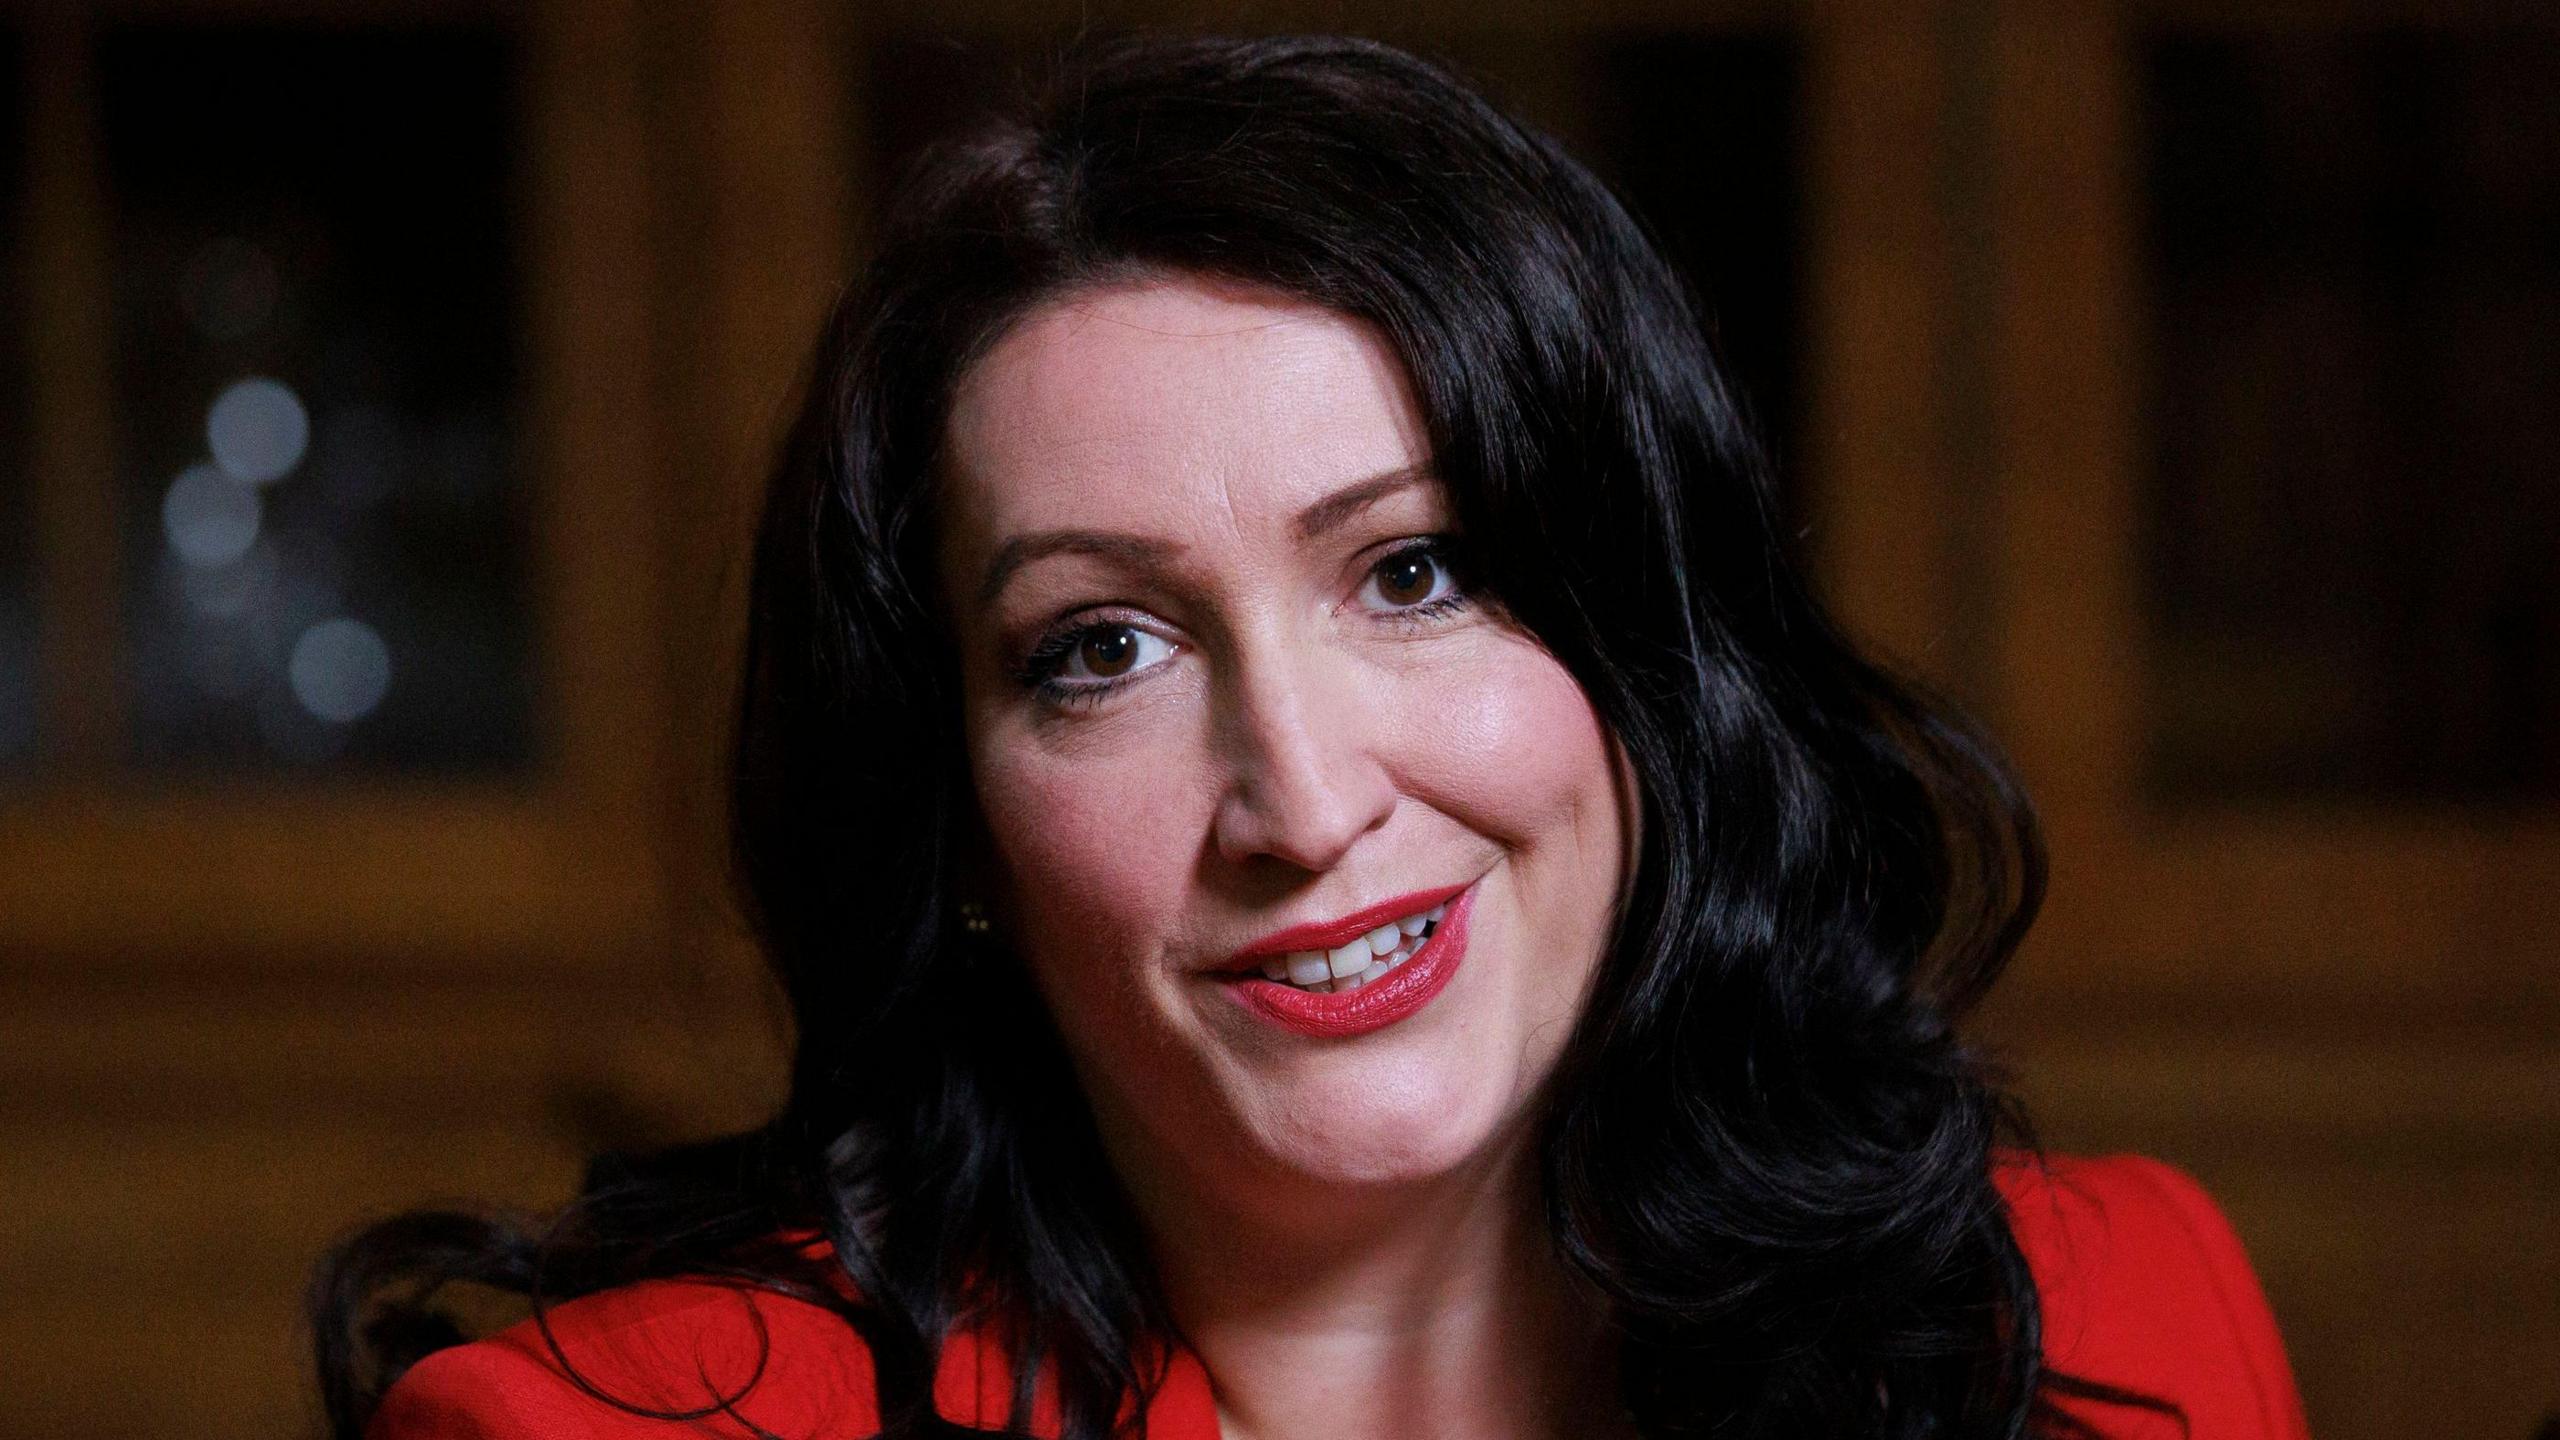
x=1172, y=404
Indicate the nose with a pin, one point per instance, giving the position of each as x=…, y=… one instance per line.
x=1307, y=779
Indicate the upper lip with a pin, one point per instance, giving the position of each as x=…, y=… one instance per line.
x=1333, y=934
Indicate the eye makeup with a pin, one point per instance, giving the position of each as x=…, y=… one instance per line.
x=1088, y=636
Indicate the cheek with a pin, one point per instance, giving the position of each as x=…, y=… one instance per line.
x=1514, y=751
x=1094, y=849
x=1089, y=845
x=1525, y=763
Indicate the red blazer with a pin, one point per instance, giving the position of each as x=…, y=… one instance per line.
x=2144, y=1286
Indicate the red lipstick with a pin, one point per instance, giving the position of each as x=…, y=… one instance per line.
x=1333, y=934
x=1374, y=1006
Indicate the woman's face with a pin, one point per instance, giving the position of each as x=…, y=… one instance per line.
x=1222, y=685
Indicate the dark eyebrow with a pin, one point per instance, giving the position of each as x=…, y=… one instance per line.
x=1350, y=500
x=1142, y=552
x=1135, y=551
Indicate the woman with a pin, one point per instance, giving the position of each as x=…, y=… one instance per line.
x=1332, y=879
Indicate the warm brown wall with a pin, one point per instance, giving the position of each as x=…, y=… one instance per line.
x=235, y=1018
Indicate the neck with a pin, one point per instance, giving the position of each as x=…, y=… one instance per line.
x=1421, y=1310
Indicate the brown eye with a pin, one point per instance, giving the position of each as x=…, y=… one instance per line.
x=1410, y=577
x=1109, y=651
x=1405, y=579
x=1083, y=663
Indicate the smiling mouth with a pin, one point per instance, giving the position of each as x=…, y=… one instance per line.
x=1363, y=960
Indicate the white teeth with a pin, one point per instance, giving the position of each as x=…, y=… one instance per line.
x=1362, y=962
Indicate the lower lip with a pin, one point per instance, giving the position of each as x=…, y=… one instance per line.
x=1376, y=1005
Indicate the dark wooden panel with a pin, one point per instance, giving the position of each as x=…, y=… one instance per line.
x=2352, y=512
x=17, y=411
x=181, y=1152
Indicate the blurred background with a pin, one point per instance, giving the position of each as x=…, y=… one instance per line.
x=382, y=394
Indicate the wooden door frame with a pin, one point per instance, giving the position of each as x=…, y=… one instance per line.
x=2316, y=912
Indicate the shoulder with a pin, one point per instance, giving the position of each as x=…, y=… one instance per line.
x=672, y=1347
x=2145, y=1286
x=700, y=1358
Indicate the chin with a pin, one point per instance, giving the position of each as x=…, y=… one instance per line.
x=1386, y=1125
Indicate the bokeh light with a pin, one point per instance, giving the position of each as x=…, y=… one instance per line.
x=210, y=519
x=340, y=670
x=257, y=430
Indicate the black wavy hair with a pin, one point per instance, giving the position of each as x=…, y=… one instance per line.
x=1766, y=1143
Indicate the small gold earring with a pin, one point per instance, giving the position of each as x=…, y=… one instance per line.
x=973, y=918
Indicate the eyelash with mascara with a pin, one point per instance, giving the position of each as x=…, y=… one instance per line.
x=1038, y=671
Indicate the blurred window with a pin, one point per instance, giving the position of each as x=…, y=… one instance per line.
x=17, y=410
x=2354, y=534
x=319, y=451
